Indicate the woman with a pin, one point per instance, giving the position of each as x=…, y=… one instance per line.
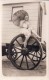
x=27, y=30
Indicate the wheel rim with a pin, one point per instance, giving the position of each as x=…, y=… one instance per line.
x=23, y=58
x=43, y=55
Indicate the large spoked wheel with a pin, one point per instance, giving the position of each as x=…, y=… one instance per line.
x=25, y=58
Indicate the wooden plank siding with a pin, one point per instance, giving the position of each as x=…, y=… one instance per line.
x=9, y=30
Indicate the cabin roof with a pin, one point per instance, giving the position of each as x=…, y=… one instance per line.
x=9, y=2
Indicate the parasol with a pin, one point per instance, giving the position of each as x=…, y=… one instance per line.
x=18, y=16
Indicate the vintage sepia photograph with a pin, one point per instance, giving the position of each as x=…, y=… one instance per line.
x=24, y=38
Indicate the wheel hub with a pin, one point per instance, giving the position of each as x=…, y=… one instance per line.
x=24, y=51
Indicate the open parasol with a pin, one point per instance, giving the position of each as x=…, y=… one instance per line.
x=18, y=16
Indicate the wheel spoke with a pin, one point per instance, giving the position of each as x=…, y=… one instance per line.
x=27, y=62
x=16, y=51
x=39, y=53
x=34, y=42
x=18, y=43
x=17, y=48
x=31, y=60
x=34, y=55
x=37, y=56
x=44, y=52
x=18, y=57
x=21, y=61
